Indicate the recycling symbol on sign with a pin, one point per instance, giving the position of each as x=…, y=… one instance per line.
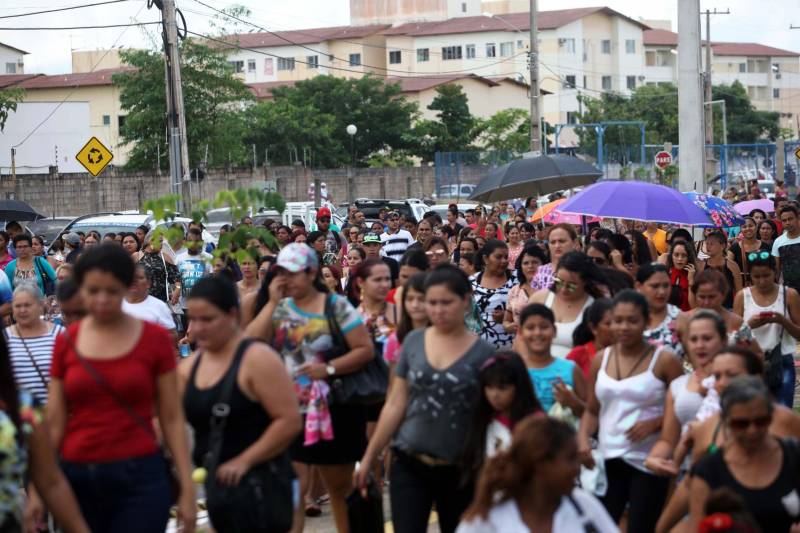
x=95, y=156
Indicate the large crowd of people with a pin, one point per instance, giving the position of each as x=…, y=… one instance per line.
x=508, y=374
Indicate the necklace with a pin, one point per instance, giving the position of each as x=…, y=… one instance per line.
x=635, y=365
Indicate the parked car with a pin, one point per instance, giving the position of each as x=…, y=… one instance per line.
x=455, y=191
x=412, y=209
x=49, y=228
x=216, y=218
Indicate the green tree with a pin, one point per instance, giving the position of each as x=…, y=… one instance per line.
x=454, y=129
x=507, y=130
x=745, y=123
x=382, y=115
x=9, y=98
x=212, y=98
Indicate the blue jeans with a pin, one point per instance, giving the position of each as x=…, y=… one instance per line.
x=785, y=393
x=129, y=496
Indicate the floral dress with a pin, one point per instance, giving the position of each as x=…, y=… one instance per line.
x=14, y=458
x=161, y=273
x=487, y=300
x=379, y=327
x=666, y=334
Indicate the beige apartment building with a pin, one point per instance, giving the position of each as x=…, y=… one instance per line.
x=12, y=60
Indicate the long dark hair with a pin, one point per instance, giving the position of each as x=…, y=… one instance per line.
x=416, y=283
x=504, y=368
x=585, y=267
x=592, y=316
x=9, y=395
x=641, y=248
x=532, y=250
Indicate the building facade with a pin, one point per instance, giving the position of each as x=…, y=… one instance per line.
x=12, y=60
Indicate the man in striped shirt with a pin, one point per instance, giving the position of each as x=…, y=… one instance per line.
x=395, y=240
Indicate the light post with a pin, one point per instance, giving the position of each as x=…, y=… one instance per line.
x=351, y=130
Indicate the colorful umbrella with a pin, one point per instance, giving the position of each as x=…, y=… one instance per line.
x=744, y=208
x=636, y=200
x=555, y=216
x=545, y=210
x=721, y=213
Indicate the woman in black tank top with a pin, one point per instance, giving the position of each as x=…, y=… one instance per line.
x=715, y=246
x=263, y=419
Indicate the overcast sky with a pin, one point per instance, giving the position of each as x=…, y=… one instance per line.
x=762, y=21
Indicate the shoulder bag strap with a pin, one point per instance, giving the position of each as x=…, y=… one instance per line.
x=32, y=358
x=222, y=409
x=106, y=386
x=333, y=323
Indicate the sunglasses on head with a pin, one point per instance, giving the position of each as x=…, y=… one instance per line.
x=758, y=256
x=559, y=284
x=740, y=424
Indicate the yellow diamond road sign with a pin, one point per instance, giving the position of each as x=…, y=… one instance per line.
x=94, y=156
x=797, y=153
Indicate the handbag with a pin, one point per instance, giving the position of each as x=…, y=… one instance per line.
x=365, y=515
x=262, y=502
x=48, y=283
x=773, y=359
x=172, y=477
x=366, y=386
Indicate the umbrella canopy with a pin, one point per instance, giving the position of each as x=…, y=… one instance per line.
x=636, y=200
x=16, y=210
x=535, y=176
x=744, y=208
x=550, y=213
x=721, y=213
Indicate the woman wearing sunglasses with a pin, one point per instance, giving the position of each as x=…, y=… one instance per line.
x=749, y=243
x=753, y=463
x=773, y=313
x=577, y=283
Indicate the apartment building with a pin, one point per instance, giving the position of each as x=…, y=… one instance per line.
x=398, y=11
x=771, y=75
x=12, y=60
x=347, y=51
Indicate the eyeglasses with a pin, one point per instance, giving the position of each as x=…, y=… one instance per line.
x=435, y=253
x=756, y=256
x=559, y=284
x=740, y=424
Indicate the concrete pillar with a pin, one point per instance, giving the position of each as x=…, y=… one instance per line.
x=690, y=98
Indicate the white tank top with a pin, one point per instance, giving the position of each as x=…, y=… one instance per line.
x=562, y=343
x=622, y=404
x=767, y=335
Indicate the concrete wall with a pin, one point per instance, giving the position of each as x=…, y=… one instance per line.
x=78, y=194
x=91, y=60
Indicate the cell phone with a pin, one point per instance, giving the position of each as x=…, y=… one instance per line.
x=767, y=314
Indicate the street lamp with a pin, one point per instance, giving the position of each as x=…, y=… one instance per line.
x=351, y=130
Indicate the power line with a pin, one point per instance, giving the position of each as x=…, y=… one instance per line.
x=68, y=8
x=100, y=27
x=75, y=87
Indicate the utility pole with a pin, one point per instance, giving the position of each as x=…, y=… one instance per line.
x=178, y=147
x=690, y=97
x=709, y=111
x=533, y=58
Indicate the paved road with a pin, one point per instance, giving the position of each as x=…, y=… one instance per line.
x=324, y=523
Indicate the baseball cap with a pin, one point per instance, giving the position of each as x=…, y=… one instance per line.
x=73, y=239
x=323, y=212
x=372, y=237
x=296, y=257
x=394, y=213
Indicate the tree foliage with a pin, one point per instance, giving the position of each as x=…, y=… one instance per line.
x=314, y=114
x=507, y=130
x=454, y=129
x=657, y=107
x=213, y=101
x=9, y=98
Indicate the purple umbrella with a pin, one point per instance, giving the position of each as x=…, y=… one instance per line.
x=744, y=208
x=636, y=200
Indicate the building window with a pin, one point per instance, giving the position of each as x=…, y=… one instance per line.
x=606, y=83
x=776, y=68
x=630, y=82
x=355, y=60
x=742, y=67
x=463, y=7
x=285, y=63
x=423, y=55
x=506, y=49
x=630, y=46
x=451, y=52
x=569, y=46
x=106, y=120
x=491, y=50
x=584, y=83
x=395, y=57
x=120, y=122
x=776, y=93
x=572, y=117
x=312, y=61
x=605, y=46
x=251, y=65
x=470, y=51
x=11, y=68
x=569, y=81
x=269, y=66
x=238, y=66
x=520, y=44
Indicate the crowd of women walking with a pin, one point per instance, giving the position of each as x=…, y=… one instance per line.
x=505, y=376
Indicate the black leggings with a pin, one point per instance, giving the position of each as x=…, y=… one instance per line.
x=415, y=487
x=646, y=494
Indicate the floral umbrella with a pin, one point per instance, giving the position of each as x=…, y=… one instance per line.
x=721, y=213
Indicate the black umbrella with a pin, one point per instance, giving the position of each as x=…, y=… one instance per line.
x=16, y=210
x=536, y=176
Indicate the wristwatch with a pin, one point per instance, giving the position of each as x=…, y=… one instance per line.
x=330, y=369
